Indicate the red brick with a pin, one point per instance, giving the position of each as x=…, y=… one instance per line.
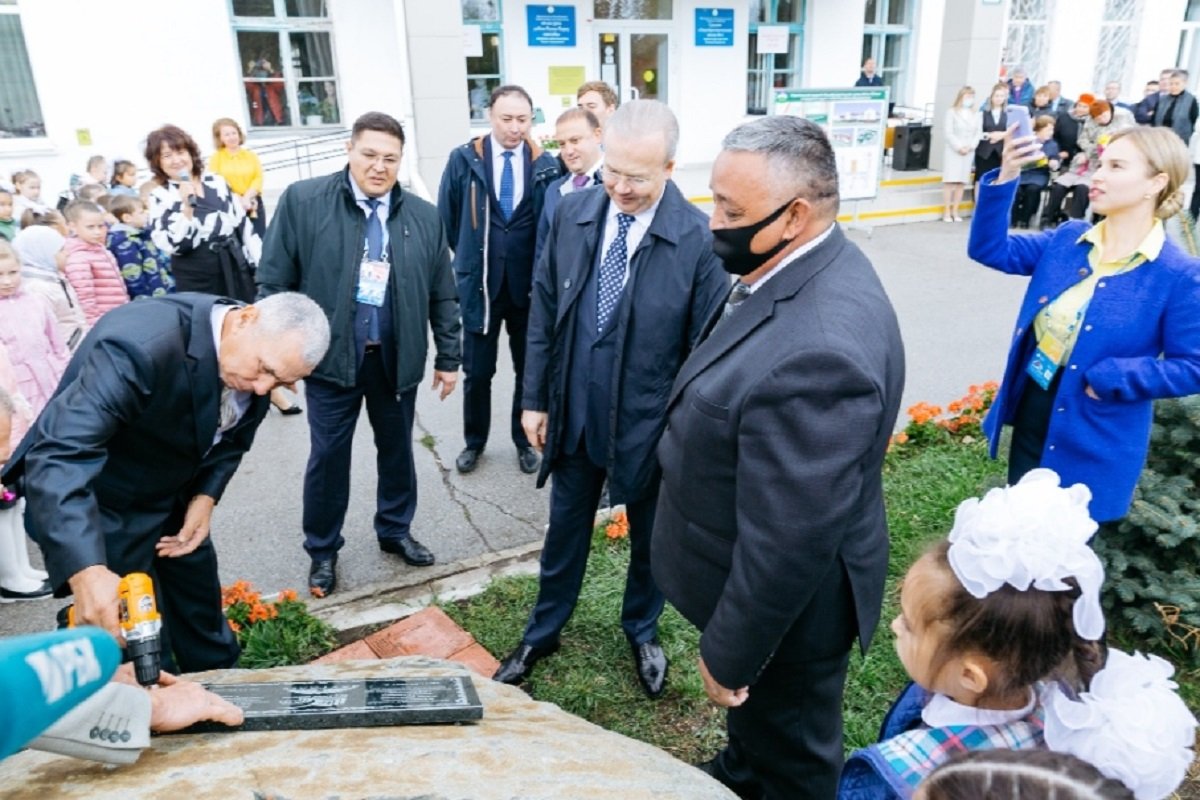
x=478, y=659
x=429, y=632
x=357, y=650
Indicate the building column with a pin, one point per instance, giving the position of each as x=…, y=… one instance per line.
x=438, y=68
x=970, y=54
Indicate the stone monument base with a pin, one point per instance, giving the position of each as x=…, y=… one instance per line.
x=521, y=748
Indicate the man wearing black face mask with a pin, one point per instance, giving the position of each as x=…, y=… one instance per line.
x=625, y=284
x=770, y=533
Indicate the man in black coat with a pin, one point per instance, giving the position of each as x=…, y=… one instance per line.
x=150, y=421
x=624, y=285
x=376, y=259
x=770, y=534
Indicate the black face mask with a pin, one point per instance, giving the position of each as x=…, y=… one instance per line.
x=732, y=245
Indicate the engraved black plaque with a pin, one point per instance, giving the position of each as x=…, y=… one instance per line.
x=357, y=703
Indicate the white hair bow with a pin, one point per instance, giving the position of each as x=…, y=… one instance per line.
x=1034, y=533
x=1131, y=724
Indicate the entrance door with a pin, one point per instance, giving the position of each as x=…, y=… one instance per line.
x=635, y=63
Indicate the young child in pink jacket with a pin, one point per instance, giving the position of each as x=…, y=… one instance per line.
x=90, y=268
x=29, y=336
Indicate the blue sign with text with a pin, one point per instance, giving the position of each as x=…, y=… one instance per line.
x=714, y=27
x=551, y=26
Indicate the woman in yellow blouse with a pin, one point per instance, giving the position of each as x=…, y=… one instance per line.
x=240, y=168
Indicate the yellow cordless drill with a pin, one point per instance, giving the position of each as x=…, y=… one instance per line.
x=140, y=623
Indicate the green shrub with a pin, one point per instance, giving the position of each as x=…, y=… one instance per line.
x=1151, y=557
x=275, y=633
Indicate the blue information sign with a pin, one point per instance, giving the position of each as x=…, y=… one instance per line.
x=551, y=26
x=714, y=27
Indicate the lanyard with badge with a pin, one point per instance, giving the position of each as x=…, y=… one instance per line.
x=373, y=272
x=1051, y=348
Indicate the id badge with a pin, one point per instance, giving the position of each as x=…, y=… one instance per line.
x=1045, y=361
x=372, y=282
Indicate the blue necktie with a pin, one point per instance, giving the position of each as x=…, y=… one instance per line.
x=374, y=253
x=612, y=273
x=506, y=186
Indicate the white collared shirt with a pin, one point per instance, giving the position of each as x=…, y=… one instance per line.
x=381, y=211
x=792, y=256
x=241, y=400
x=593, y=175
x=942, y=712
x=518, y=169
x=633, y=237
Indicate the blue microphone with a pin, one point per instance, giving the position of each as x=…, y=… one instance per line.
x=45, y=675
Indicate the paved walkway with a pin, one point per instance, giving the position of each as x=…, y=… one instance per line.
x=955, y=315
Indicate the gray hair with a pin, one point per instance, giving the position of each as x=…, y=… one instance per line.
x=639, y=118
x=8, y=408
x=800, y=160
x=291, y=313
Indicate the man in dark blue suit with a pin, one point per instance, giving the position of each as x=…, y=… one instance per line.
x=578, y=133
x=622, y=290
x=490, y=200
x=150, y=421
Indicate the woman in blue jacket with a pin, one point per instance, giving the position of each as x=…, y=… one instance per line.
x=1110, y=321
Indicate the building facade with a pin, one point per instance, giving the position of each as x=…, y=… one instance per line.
x=79, y=77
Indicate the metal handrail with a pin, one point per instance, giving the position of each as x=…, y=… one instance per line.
x=301, y=152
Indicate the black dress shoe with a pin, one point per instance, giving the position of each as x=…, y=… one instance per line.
x=322, y=576
x=413, y=552
x=527, y=459
x=12, y=596
x=467, y=460
x=519, y=664
x=651, y=663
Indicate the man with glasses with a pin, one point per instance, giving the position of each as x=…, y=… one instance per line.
x=490, y=200
x=625, y=283
x=375, y=258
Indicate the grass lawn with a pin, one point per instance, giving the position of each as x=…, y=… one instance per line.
x=593, y=677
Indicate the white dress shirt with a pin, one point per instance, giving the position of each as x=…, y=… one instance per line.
x=518, y=169
x=633, y=237
x=381, y=211
x=792, y=256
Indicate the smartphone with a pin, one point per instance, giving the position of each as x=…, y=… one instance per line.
x=1020, y=115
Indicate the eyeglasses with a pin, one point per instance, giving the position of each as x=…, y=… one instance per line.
x=633, y=180
x=374, y=159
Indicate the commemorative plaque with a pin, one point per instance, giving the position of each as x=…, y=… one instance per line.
x=356, y=703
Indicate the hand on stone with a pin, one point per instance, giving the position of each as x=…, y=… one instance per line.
x=728, y=698
x=194, y=531
x=95, y=589
x=176, y=704
x=447, y=380
x=534, y=424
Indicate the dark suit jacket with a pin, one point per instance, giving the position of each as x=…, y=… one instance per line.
x=771, y=461
x=128, y=436
x=985, y=148
x=675, y=282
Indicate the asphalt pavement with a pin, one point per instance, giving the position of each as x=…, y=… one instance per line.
x=955, y=316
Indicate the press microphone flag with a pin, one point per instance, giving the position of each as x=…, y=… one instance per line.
x=45, y=675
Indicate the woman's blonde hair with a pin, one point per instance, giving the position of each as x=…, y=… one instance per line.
x=997, y=88
x=963, y=92
x=226, y=122
x=1165, y=153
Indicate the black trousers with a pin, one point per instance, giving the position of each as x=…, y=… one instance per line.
x=1029, y=196
x=785, y=741
x=195, y=633
x=574, y=494
x=1029, y=427
x=479, y=365
x=333, y=412
x=1077, y=205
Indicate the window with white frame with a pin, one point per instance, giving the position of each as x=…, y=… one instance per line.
x=20, y=111
x=887, y=38
x=1026, y=34
x=486, y=71
x=289, y=73
x=767, y=71
x=1116, y=42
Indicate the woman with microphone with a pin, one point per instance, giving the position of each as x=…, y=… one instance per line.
x=197, y=219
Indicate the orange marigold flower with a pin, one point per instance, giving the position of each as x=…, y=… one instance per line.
x=259, y=613
x=233, y=626
x=287, y=596
x=316, y=591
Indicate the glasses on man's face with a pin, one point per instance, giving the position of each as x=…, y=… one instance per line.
x=376, y=160
x=637, y=181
